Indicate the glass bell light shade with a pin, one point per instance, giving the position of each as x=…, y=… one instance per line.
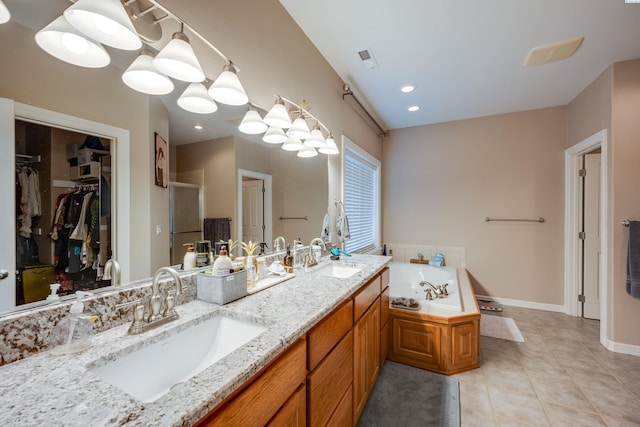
x=274, y=135
x=61, y=40
x=4, y=13
x=143, y=76
x=278, y=116
x=105, y=21
x=196, y=100
x=330, y=147
x=307, y=151
x=299, y=129
x=252, y=123
x=178, y=60
x=227, y=88
x=292, y=144
x=316, y=139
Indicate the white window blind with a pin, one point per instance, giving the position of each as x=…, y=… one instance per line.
x=360, y=201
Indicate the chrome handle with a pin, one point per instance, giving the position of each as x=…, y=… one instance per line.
x=4, y=274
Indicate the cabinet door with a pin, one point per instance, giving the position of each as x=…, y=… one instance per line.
x=464, y=345
x=366, y=353
x=293, y=413
x=416, y=343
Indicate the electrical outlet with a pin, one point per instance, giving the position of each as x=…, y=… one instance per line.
x=390, y=251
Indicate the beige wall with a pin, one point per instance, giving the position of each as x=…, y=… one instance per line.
x=440, y=182
x=31, y=76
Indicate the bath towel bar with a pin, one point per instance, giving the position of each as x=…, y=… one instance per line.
x=625, y=222
x=540, y=219
x=305, y=218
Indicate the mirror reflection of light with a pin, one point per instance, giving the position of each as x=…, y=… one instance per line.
x=106, y=25
x=75, y=43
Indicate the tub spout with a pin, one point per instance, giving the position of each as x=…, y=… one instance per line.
x=439, y=291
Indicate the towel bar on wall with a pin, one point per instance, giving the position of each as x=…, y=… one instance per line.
x=540, y=219
x=304, y=218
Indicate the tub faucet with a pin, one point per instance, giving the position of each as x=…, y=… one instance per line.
x=112, y=272
x=439, y=291
x=310, y=260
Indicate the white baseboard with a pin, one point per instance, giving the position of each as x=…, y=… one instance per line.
x=525, y=304
x=616, y=347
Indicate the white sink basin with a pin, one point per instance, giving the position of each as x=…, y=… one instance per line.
x=338, y=271
x=150, y=372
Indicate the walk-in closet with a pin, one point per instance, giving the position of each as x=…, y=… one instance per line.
x=63, y=210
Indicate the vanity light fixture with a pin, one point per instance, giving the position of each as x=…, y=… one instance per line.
x=143, y=76
x=307, y=151
x=278, y=116
x=227, y=87
x=299, y=129
x=407, y=88
x=5, y=15
x=330, y=147
x=414, y=108
x=292, y=144
x=196, y=100
x=274, y=135
x=316, y=139
x=178, y=60
x=61, y=40
x=252, y=123
x=105, y=21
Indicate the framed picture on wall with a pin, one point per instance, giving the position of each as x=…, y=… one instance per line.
x=162, y=173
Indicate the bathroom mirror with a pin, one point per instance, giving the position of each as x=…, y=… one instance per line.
x=299, y=185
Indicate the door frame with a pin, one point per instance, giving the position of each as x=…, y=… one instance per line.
x=572, y=270
x=268, y=218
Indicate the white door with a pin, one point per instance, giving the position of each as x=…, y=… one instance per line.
x=7, y=213
x=591, y=263
x=253, y=210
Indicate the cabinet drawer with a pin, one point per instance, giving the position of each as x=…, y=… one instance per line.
x=278, y=381
x=293, y=413
x=343, y=415
x=322, y=338
x=328, y=383
x=385, y=277
x=365, y=297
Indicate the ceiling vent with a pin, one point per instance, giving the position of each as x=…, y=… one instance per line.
x=552, y=52
x=367, y=59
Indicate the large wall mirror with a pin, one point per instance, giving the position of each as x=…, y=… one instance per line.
x=214, y=156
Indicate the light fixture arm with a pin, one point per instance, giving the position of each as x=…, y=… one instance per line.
x=305, y=112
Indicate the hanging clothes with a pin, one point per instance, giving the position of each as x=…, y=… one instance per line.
x=28, y=182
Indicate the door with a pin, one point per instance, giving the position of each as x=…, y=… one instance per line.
x=591, y=242
x=253, y=210
x=7, y=216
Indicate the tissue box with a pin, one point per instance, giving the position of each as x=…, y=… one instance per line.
x=221, y=289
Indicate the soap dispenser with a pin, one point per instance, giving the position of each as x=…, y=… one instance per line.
x=74, y=331
x=189, y=262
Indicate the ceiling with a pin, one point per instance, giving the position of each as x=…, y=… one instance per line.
x=465, y=57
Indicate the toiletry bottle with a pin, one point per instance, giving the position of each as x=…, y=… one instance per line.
x=73, y=333
x=288, y=261
x=222, y=265
x=54, y=292
x=189, y=262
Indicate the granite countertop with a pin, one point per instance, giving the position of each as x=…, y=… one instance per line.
x=59, y=390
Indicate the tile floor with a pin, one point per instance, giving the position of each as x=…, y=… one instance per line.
x=560, y=376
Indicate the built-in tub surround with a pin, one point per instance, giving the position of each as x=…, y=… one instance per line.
x=405, y=281
x=42, y=388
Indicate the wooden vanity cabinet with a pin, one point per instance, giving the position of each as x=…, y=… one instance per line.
x=276, y=393
x=330, y=363
x=385, y=325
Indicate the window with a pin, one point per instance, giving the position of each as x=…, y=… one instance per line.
x=361, y=196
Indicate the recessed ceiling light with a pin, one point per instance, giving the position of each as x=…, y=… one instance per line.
x=414, y=108
x=407, y=88
x=198, y=127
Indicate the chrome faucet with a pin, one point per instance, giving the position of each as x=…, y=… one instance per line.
x=155, y=319
x=276, y=244
x=310, y=260
x=112, y=272
x=440, y=291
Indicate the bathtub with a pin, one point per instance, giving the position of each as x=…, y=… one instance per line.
x=404, y=279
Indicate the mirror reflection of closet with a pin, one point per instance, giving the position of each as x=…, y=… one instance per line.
x=63, y=210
